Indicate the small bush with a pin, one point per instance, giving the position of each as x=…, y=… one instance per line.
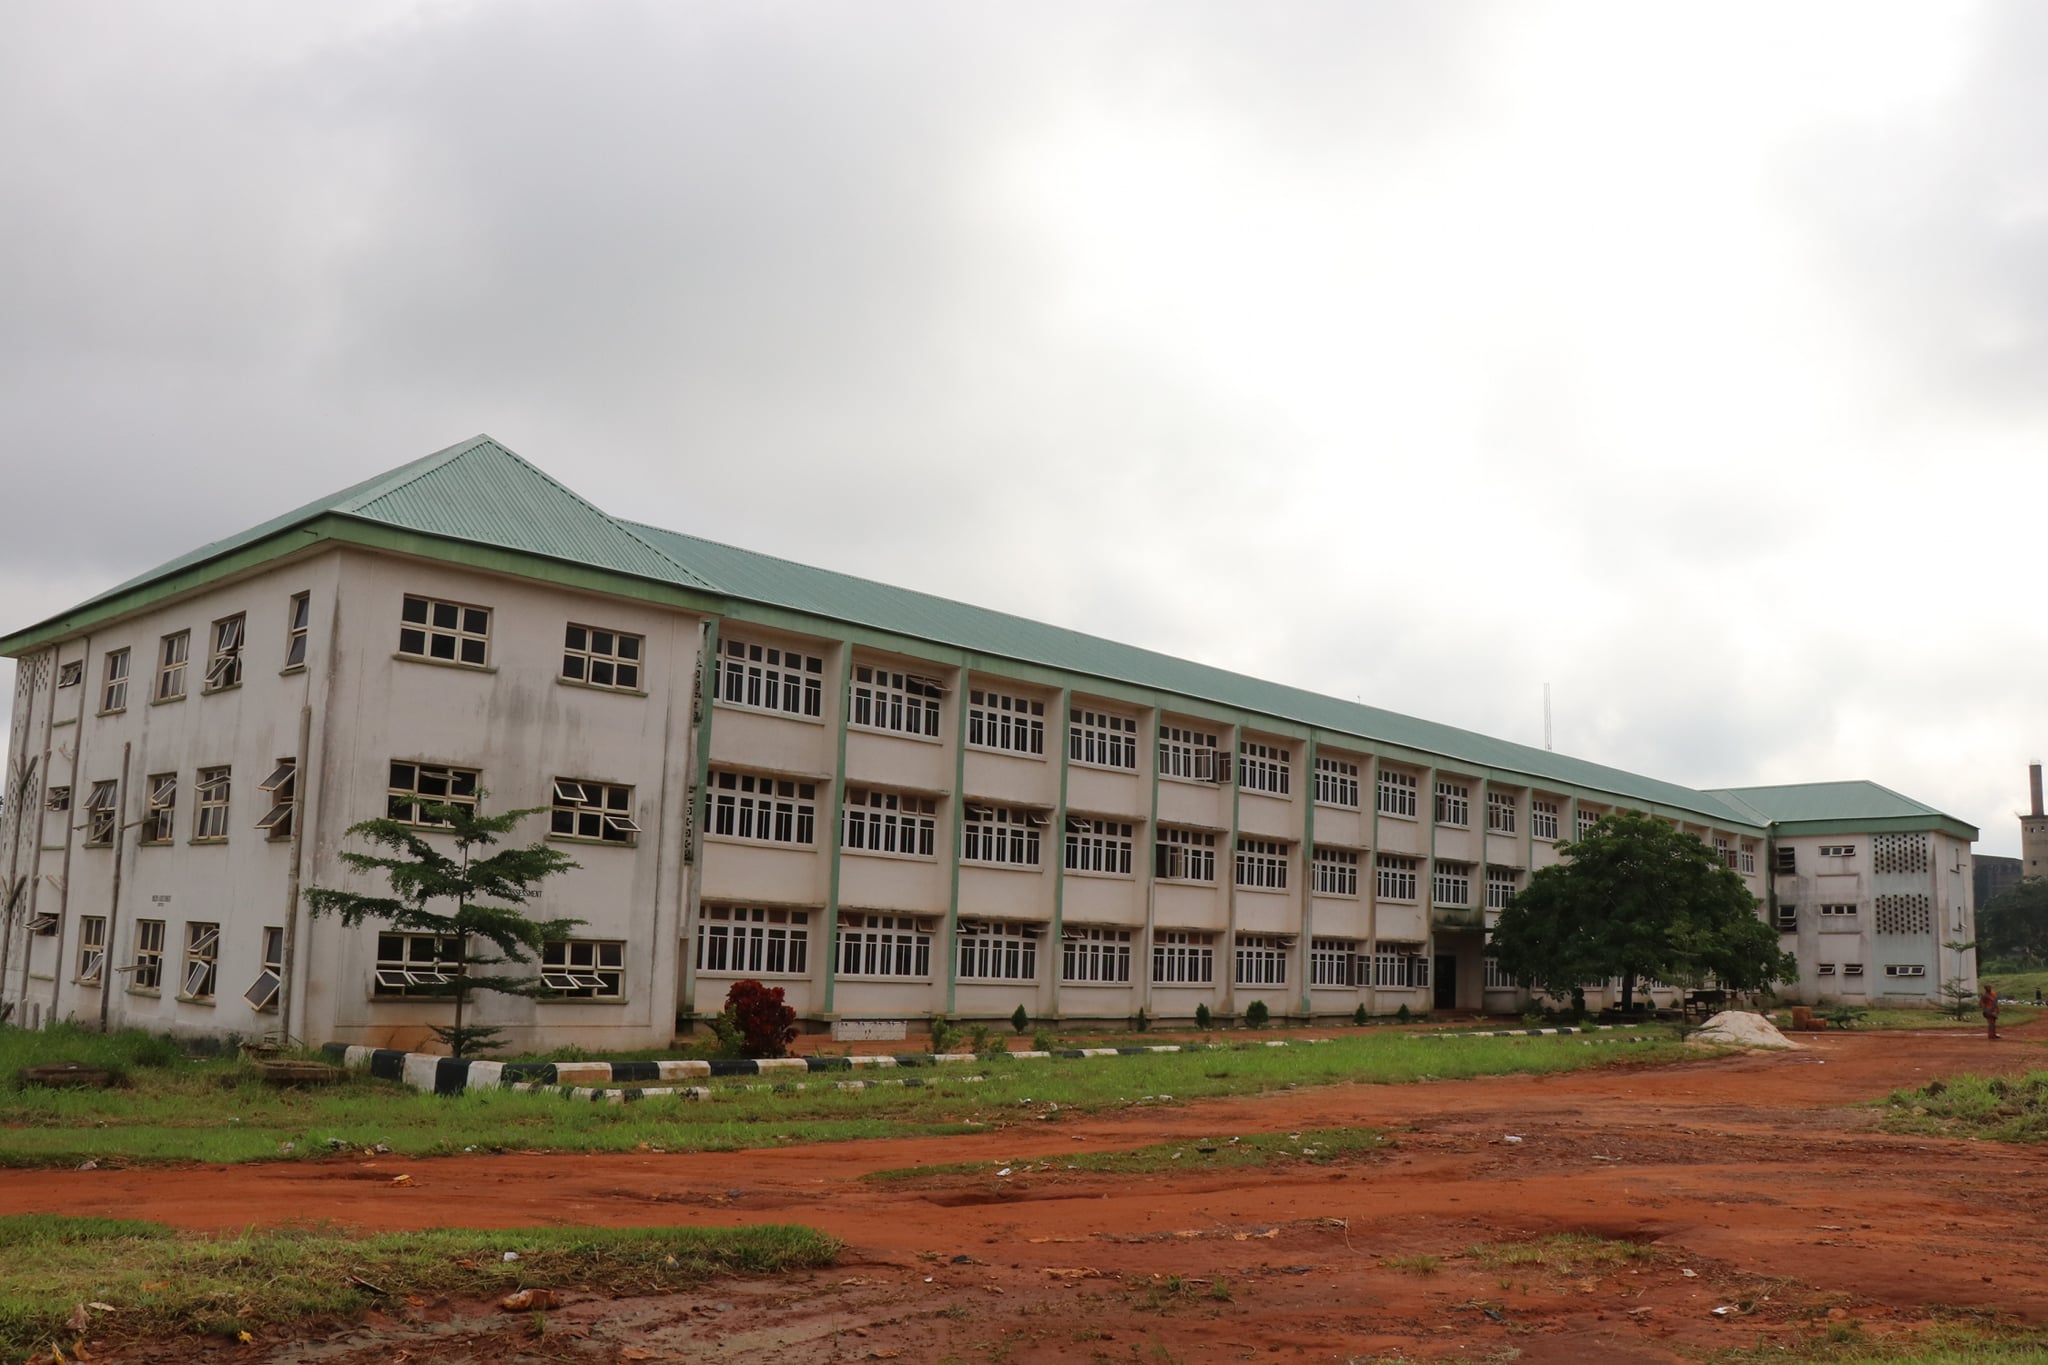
x=982, y=1041
x=1020, y=1021
x=726, y=1040
x=1256, y=1015
x=1358, y=1015
x=767, y=1026
x=1403, y=1014
x=1043, y=1041
x=944, y=1035
x=1203, y=1019
x=1141, y=1021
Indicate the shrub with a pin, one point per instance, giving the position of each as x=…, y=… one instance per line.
x=1141, y=1021
x=1358, y=1015
x=1203, y=1019
x=1043, y=1041
x=767, y=1026
x=982, y=1042
x=1404, y=1014
x=1256, y=1015
x=944, y=1035
x=1020, y=1021
x=726, y=1040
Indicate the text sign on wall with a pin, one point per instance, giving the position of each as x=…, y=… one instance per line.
x=869, y=1030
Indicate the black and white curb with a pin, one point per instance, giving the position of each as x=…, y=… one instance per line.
x=1538, y=1032
x=598, y=1080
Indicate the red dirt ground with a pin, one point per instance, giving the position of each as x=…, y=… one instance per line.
x=1761, y=1181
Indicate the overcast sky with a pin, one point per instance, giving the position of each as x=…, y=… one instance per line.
x=1688, y=358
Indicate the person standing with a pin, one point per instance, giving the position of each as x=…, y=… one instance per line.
x=1989, y=1004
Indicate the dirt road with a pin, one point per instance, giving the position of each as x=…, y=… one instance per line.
x=1762, y=1182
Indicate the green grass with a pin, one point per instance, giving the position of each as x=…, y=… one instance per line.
x=1943, y=1344
x=2001, y=1108
x=159, y=1282
x=1567, y=1253
x=1315, y=1147
x=216, y=1109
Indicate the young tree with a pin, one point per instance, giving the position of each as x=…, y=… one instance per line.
x=1637, y=899
x=2012, y=927
x=482, y=897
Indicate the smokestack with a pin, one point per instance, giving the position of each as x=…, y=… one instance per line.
x=2034, y=785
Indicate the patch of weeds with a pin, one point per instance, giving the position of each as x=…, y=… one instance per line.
x=1565, y=1253
x=2003, y=1109
x=1415, y=1265
x=1219, y=1290
x=1940, y=1344
x=1316, y=1147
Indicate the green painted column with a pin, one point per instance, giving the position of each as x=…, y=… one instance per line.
x=1308, y=877
x=1372, y=887
x=1059, y=861
x=706, y=702
x=838, y=816
x=1229, y=965
x=1141, y=970
x=952, y=937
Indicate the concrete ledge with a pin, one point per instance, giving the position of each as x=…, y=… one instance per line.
x=1536, y=1032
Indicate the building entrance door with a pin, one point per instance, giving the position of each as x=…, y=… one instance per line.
x=1446, y=982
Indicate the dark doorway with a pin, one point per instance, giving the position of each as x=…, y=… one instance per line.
x=1446, y=982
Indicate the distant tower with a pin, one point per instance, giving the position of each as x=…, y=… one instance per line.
x=2034, y=830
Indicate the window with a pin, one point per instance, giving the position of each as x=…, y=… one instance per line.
x=584, y=968
x=262, y=995
x=997, y=720
x=771, y=679
x=1335, y=872
x=1262, y=864
x=1098, y=845
x=448, y=632
x=160, y=808
x=1333, y=962
x=1336, y=782
x=901, y=702
x=57, y=799
x=601, y=811
x=1189, y=754
x=1263, y=767
x=1453, y=803
x=1827, y=969
x=1838, y=912
x=1096, y=956
x=1262, y=960
x=1001, y=834
x=1837, y=850
x=1785, y=858
x=202, y=951
x=114, y=689
x=1181, y=958
x=148, y=972
x=1788, y=918
x=1852, y=969
x=1401, y=966
x=602, y=658
x=887, y=822
x=210, y=805
x=71, y=674
x=171, y=654
x=885, y=945
x=92, y=949
x=998, y=952
x=1498, y=977
x=1543, y=819
x=768, y=810
x=1397, y=793
x=417, y=788
x=1397, y=877
x=1184, y=855
x=1904, y=969
x=1587, y=819
x=281, y=786
x=1101, y=739
x=296, y=619
x=1500, y=812
x=1451, y=883
x=1500, y=887
x=1746, y=861
x=416, y=965
x=100, y=815
x=224, y=664
x=1724, y=850
x=754, y=940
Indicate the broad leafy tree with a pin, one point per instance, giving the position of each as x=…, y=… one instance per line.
x=445, y=880
x=2012, y=927
x=1639, y=900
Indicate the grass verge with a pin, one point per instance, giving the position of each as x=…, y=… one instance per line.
x=216, y=1109
x=1316, y=1148
x=1943, y=1344
x=155, y=1282
x=2001, y=1108
x=1565, y=1253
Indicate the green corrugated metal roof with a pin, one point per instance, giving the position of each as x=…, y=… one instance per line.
x=481, y=492
x=1799, y=802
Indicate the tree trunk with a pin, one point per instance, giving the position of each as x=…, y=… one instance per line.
x=461, y=991
x=1628, y=991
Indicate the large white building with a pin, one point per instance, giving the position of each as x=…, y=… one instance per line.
x=887, y=803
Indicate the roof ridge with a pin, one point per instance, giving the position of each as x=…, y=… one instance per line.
x=354, y=499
